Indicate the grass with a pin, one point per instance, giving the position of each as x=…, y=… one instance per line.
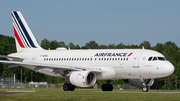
x=53, y=94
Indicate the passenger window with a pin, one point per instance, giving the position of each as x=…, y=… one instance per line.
x=104, y=58
x=127, y=59
x=155, y=58
x=94, y=59
x=107, y=59
x=91, y=59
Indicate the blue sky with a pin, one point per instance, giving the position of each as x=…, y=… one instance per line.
x=104, y=21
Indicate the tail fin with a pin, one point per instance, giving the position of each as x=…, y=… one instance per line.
x=25, y=39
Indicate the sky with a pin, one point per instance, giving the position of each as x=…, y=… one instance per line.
x=105, y=21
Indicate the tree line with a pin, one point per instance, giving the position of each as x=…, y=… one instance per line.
x=169, y=49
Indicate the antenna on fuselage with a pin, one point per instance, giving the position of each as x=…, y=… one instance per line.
x=142, y=47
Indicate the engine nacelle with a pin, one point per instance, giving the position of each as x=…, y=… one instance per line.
x=138, y=82
x=82, y=78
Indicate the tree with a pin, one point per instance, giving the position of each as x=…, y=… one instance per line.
x=171, y=44
x=45, y=44
x=120, y=46
x=111, y=46
x=72, y=46
x=159, y=47
x=92, y=45
x=145, y=44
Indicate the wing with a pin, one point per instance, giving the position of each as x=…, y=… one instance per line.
x=50, y=66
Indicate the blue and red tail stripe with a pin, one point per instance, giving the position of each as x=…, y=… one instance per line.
x=24, y=38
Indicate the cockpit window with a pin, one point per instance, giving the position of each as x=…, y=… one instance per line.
x=155, y=58
x=161, y=58
x=150, y=58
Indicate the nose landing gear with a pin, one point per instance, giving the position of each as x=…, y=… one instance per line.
x=145, y=87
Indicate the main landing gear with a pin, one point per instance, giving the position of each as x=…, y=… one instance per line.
x=68, y=87
x=107, y=87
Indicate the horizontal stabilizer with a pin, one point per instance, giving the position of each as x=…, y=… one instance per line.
x=12, y=58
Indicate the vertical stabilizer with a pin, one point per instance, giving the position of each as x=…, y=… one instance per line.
x=25, y=39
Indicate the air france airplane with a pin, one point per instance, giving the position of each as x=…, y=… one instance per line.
x=84, y=67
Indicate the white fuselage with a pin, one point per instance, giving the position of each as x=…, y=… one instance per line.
x=115, y=63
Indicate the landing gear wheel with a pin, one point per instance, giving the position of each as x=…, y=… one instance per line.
x=110, y=87
x=145, y=89
x=107, y=87
x=72, y=87
x=104, y=87
x=68, y=87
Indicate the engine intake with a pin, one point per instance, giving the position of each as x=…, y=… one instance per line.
x=82, y=78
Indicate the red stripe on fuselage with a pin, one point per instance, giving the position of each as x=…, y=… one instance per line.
x=18, y=38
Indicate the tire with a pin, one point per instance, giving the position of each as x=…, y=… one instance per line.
x=104, y=87
x=110, y=87
x=66, y=87
x=72, y=87
x=145, y=89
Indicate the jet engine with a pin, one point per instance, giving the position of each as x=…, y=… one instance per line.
x=82, y=78
x=139, y=82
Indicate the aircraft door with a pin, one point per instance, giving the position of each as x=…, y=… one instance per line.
x=136, y=60
x=34, y=57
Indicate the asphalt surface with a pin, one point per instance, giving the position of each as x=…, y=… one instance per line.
x=16, y=92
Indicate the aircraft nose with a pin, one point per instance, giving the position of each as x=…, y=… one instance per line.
x=169, y=68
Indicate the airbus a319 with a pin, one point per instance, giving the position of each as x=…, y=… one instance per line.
x=84, y=67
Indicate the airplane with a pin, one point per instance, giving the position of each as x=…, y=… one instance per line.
x=84, y=67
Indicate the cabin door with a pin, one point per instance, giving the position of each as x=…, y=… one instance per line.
x=136, y=60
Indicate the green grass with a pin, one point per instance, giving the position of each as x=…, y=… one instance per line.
x=53, y=94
